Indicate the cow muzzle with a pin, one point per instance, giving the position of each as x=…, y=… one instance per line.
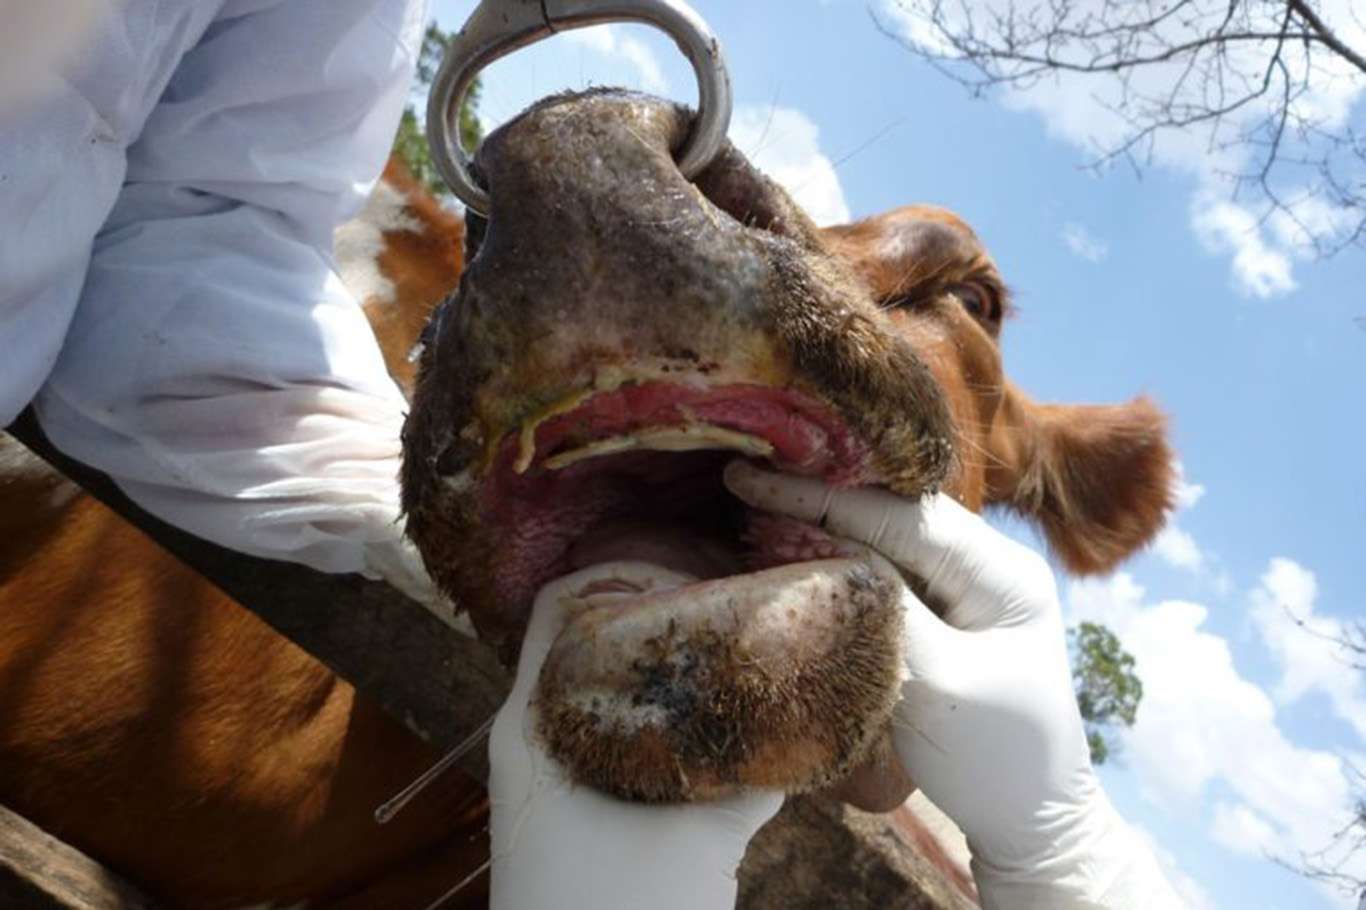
x=621, y=334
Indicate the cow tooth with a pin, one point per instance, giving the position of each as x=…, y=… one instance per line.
x=686, y=438
x=703, y=436
x=608, y=446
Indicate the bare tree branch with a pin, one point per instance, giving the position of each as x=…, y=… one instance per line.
x=1248, y=77
x=1350, y=639
x=1326, y=35
x=1329, y=863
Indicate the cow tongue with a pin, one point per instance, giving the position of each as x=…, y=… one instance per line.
x=677, y=548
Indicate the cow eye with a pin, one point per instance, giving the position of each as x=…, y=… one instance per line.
x=978, y=301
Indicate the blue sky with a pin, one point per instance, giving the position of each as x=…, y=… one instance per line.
x=1159, y=285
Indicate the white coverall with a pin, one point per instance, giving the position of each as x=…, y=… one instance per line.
x=167, y=202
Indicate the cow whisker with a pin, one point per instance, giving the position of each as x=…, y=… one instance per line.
x=394, y=805
x=483, y=867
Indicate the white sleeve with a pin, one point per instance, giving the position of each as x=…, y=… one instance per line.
x=216, y=367
x=63, y=119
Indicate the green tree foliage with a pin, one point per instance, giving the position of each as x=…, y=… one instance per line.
x=410, y=143
x=1108, y=690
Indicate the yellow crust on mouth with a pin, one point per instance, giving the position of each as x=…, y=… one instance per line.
x=763, y=370
x=526, y=437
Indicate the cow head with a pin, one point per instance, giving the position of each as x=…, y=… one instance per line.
x=619, y=336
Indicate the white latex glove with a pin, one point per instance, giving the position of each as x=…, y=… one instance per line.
x=561, y=845
x=988, y=726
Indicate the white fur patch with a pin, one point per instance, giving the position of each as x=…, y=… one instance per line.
x=358, y=243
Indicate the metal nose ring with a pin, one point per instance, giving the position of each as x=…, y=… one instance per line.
x=499, y=27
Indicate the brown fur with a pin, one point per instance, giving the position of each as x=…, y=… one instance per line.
x=1098, y=479
x=423, y=265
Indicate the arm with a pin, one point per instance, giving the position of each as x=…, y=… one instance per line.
x=215, y=367
x=988, y=725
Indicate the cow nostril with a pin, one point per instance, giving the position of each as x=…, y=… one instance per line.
x=740, y=190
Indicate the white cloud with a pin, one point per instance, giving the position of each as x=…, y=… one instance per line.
x=609, y=41
x=1178, y=548
x=1303, y=643
x=913, y=28
x=1187, y=494
x=1089, y=113
x=1191, y=892
x=1203, y=728
x=1174, y=545
x=1242, y=830
x=1259, y=269
x=785, y=144
x=1083, y=243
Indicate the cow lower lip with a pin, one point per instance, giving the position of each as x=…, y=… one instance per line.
x=664, y=688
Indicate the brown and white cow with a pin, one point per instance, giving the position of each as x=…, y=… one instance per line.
x=153, y=723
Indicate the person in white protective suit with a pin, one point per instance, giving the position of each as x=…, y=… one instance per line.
x=168, y=190
x=169, y=185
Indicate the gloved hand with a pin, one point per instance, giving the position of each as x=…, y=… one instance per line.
x=988, y=726
x=562, y=845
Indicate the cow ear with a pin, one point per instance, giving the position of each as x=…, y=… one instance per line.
x=1099, y=480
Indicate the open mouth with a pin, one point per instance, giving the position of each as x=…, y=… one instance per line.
x=634, y=473
x=741, y=649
